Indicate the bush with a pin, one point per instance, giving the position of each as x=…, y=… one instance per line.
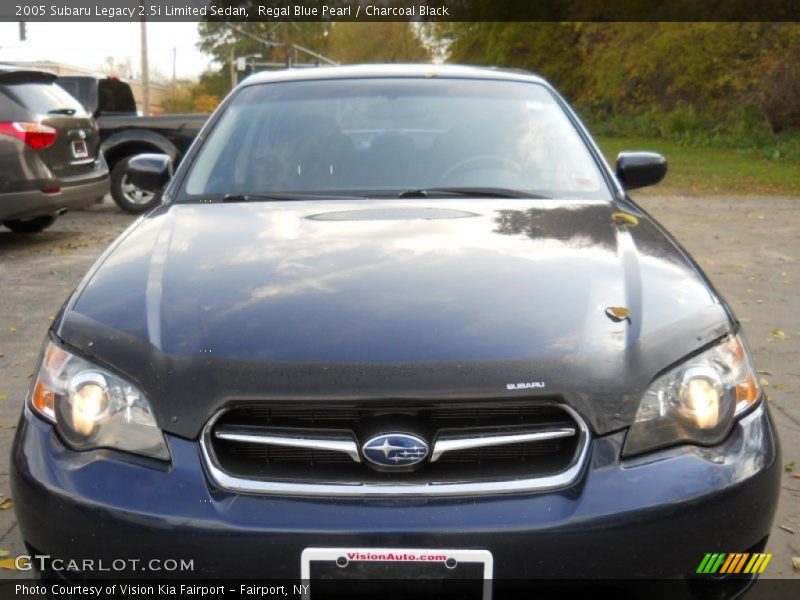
x=684, y=125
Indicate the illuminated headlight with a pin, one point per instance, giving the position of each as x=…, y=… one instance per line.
x=94, y=408
x=697, y=401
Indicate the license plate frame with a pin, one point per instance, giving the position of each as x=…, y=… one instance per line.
x=80, y=149
x=479, y=562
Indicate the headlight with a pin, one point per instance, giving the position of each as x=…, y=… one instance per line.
x=696, y=401
x=94, y=408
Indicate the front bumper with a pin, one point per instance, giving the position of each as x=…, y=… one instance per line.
x=653, y=517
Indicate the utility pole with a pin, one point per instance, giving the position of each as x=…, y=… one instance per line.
x=287, y=45
x=174, y=60
x=145, y=66
x=22, y=31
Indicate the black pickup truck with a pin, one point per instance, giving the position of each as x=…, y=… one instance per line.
x=124, y=134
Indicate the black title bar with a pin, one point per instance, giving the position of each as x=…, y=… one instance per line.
x=401, y=10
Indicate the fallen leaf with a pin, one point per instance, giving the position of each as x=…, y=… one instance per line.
x=11, y=329
x=3, y=396
x=796, y=475
x=623, y=218
x=4, y=553
x=764, y=382
x=7, y=426
x=763, y=372
x=6, y=504
x=779, y=334
x=789, y=466
x=796, y=563
x=9, y=564
x=778, y=386
x=618, y=313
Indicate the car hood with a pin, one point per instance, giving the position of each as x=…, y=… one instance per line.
x=209, y=304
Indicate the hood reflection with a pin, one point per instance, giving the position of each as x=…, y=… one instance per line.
x=576, y=225
x=335, y=281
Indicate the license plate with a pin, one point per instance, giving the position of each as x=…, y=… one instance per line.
x=79, y=149
x=420, y=572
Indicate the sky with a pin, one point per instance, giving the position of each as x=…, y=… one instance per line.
x=89, y=44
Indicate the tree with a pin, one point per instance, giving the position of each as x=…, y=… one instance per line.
x=268, y=41
x=179, y=98
x=350, y=42
x=117, y=68
x=188, y=97
x=205, y=103
x=271, y=41
x=715, y=73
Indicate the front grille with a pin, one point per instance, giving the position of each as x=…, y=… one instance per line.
x=279, y=454
x=348, y=417
x=290, y=445
x=510, y=452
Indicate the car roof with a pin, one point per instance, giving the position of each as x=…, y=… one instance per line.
x=14, y=74
x=368, y=71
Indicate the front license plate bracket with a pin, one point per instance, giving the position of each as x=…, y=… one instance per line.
x=426, y=570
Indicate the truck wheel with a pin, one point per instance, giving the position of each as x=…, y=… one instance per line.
x=127, y=196
x=34, y=225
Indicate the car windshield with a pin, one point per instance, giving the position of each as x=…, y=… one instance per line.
x=389, y=136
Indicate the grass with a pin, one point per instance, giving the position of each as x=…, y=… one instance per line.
x=697, y=171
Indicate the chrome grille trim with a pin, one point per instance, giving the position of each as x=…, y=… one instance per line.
x=450, y=445
x=358, y=489
x=244, y=434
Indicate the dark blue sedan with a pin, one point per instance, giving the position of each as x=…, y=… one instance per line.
x=396, y=322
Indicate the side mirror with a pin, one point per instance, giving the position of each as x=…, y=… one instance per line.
x=640, y=169
x=150, y=172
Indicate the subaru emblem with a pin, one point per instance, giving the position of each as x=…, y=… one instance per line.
x=395, y=450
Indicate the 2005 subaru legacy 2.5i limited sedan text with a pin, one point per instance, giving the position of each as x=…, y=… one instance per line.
x=401, y=322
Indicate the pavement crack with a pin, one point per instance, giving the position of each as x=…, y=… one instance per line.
x=9, y=530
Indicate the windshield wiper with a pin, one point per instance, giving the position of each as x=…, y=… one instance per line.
x=285, y=196
x=470, y=192
x=61, y=111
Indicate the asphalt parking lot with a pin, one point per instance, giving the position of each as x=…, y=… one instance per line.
x=749, y=247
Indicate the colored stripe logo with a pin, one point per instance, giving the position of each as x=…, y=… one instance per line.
x=733, y=563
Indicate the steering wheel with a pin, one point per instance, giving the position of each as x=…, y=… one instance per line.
x=485, y=160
